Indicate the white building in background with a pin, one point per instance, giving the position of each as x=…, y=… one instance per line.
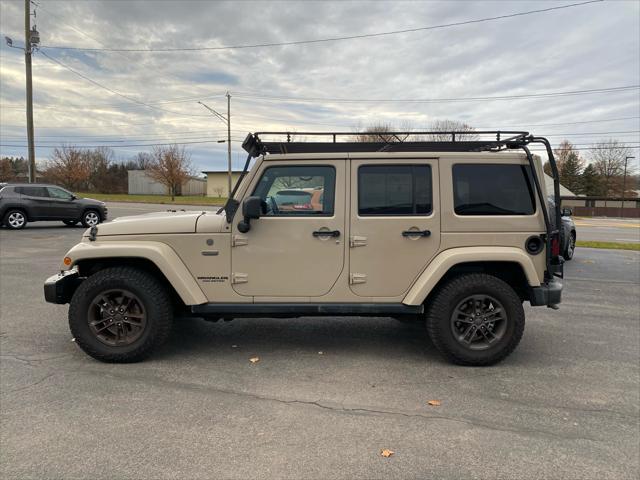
x=140, y=183
x=218, y=182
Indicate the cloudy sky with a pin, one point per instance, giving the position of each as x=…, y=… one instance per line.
x=132, y=99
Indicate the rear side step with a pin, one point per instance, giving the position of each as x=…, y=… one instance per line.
x=305, y=309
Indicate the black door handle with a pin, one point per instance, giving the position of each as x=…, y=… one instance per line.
x=326, y=233
x=416, y=233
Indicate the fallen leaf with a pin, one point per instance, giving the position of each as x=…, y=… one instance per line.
x=254, y=359
x=434, y=403
x=387, y=453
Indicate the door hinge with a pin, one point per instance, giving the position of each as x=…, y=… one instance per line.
x=357, y=278
x=356, y=241
x=239, y=278
x=239, y=240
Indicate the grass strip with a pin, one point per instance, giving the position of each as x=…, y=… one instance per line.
x=163, y=199
x=608, y=245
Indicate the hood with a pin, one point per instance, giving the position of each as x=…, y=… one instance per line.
x=150, y=223
x=89, y=201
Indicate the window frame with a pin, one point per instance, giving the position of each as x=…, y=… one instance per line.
x=530, y=187
x=413, y=185
x=302, y=213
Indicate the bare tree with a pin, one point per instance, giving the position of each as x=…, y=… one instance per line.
x=170, y=166
x=219, y=191
x=449, y=126
x=6, y=170
x=377, y=132
x=68, y=166
x=608, y=157
x=142, y=160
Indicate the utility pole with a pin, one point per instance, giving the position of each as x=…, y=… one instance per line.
x=226, y=120
x=229, y=141
x=624, y=184
x=27, y=61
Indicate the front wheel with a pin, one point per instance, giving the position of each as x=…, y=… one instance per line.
x=90, y=218
x=475, y=319
x=120, y=315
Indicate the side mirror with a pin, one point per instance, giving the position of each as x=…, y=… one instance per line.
x=567, y=212
x=73, y=197
x=251, y=210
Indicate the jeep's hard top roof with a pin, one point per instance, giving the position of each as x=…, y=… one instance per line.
x=512, y=154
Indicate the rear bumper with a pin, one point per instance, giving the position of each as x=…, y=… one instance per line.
x=60, y=288
x=549, y=294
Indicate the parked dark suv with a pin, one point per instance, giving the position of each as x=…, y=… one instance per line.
x=22, y=203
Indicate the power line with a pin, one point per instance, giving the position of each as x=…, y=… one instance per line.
x=325, y=40
x=204, y=134
x=438, y=100
x=117, y=146
x=115, y=92
x=524, y=125
x=565, y=123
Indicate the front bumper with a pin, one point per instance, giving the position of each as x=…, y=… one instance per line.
x=549, y=294
x=59, y=288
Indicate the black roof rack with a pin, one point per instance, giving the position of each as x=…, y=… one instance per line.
x=333, y=142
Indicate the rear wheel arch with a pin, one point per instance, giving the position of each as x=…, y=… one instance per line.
x=511, y=273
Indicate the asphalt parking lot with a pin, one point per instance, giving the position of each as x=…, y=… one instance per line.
x=327, y=394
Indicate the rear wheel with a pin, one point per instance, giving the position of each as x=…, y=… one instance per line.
x=571, y=247
x=90, y=218
x=15, y=219
x=475, y=319
x=120, y=315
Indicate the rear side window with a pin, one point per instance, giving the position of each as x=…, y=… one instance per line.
x=394, y=190
x=33, y=191
x=497, y=189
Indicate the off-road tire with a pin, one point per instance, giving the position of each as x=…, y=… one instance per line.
x=445, y=300
x=8, y=221
x=152, y=293
x=85, y=218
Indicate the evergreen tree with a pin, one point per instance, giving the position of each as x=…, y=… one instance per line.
x=571, y=171
x=569, y=166
x=591, y=182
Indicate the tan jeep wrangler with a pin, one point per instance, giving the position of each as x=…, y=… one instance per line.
x=456, y=233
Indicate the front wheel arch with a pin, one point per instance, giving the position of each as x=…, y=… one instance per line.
x=89, y=267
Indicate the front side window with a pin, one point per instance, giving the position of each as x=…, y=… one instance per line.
x=58, y=193
x=297, y=190
x=394, y=190
x=493, y=189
